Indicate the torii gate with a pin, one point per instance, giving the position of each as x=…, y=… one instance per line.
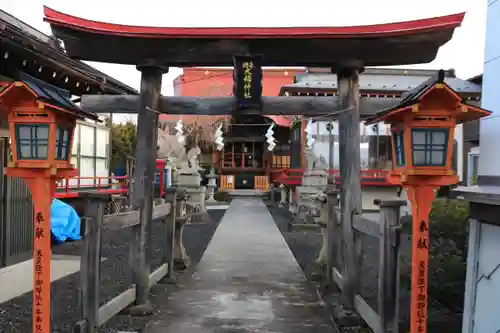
x=346, y=50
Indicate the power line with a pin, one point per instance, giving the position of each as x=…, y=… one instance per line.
x=335, y=113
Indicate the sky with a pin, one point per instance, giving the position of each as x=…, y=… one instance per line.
x=464, y=53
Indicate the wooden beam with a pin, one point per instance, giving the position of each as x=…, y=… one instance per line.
x=158, y=274
x=366, y=226
x=161, y=211
x=370, y=316
x=116, y=305
x=338, y=278
x=144, y=176
x=306, y=227
x=121, y=220
x=388, y=268
x=90, y=262
x=206, y=106
x=131, y=218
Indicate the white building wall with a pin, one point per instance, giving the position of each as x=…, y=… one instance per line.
x=482, y=295
x=90, y=154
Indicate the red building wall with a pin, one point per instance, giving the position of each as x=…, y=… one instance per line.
x=206, y=82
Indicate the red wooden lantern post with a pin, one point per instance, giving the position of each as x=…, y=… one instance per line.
x=422, y=128
x=41, y=124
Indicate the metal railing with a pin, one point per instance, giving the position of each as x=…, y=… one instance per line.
x=71, y=187
x=293, y=177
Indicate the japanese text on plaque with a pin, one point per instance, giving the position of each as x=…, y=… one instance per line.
x=247, y=79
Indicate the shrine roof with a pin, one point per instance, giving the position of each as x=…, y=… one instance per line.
x=41, y=56
x=384, y=80
x=371, y=45
x=415, y=95
x=478, y=79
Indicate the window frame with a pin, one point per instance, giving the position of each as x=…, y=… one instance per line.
x=60, y=143
x=34, y=141
x=399, y=160
x=429, y=147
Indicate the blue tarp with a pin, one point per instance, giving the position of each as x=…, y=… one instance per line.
x=120, y=169
x=64, y=222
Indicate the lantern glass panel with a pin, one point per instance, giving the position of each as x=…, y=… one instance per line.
x=399, y=148
x=429, y=146
x=32, y=141
x=63, y=138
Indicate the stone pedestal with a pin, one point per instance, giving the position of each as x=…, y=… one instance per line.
x=318, y=268
x=283, y=194
x=190, y=182
x=313, y=182
x=189, y=179
x=175, y=177
x=181, y=259
x=323, y=218
x=196, y=196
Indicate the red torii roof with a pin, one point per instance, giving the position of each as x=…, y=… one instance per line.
x=399, y=43
x=376, y=30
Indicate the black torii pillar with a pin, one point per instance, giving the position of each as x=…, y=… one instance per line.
x=350, y=168
x=143, y=178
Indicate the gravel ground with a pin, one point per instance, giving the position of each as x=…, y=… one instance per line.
x=15, y=315
x=305, y=246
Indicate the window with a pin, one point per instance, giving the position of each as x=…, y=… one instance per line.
x=62, y=143
x=429, y=146
x=32, y=141
x=473, y=166
x=398, y=140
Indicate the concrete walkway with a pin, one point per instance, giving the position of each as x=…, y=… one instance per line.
x=247, y=281
x=19, y=277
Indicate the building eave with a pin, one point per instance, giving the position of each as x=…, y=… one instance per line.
x=40, y=55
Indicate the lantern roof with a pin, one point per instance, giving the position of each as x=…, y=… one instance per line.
x=49, y=95
x=415, y=96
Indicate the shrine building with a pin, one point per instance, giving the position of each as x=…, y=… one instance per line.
x=245, y=157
